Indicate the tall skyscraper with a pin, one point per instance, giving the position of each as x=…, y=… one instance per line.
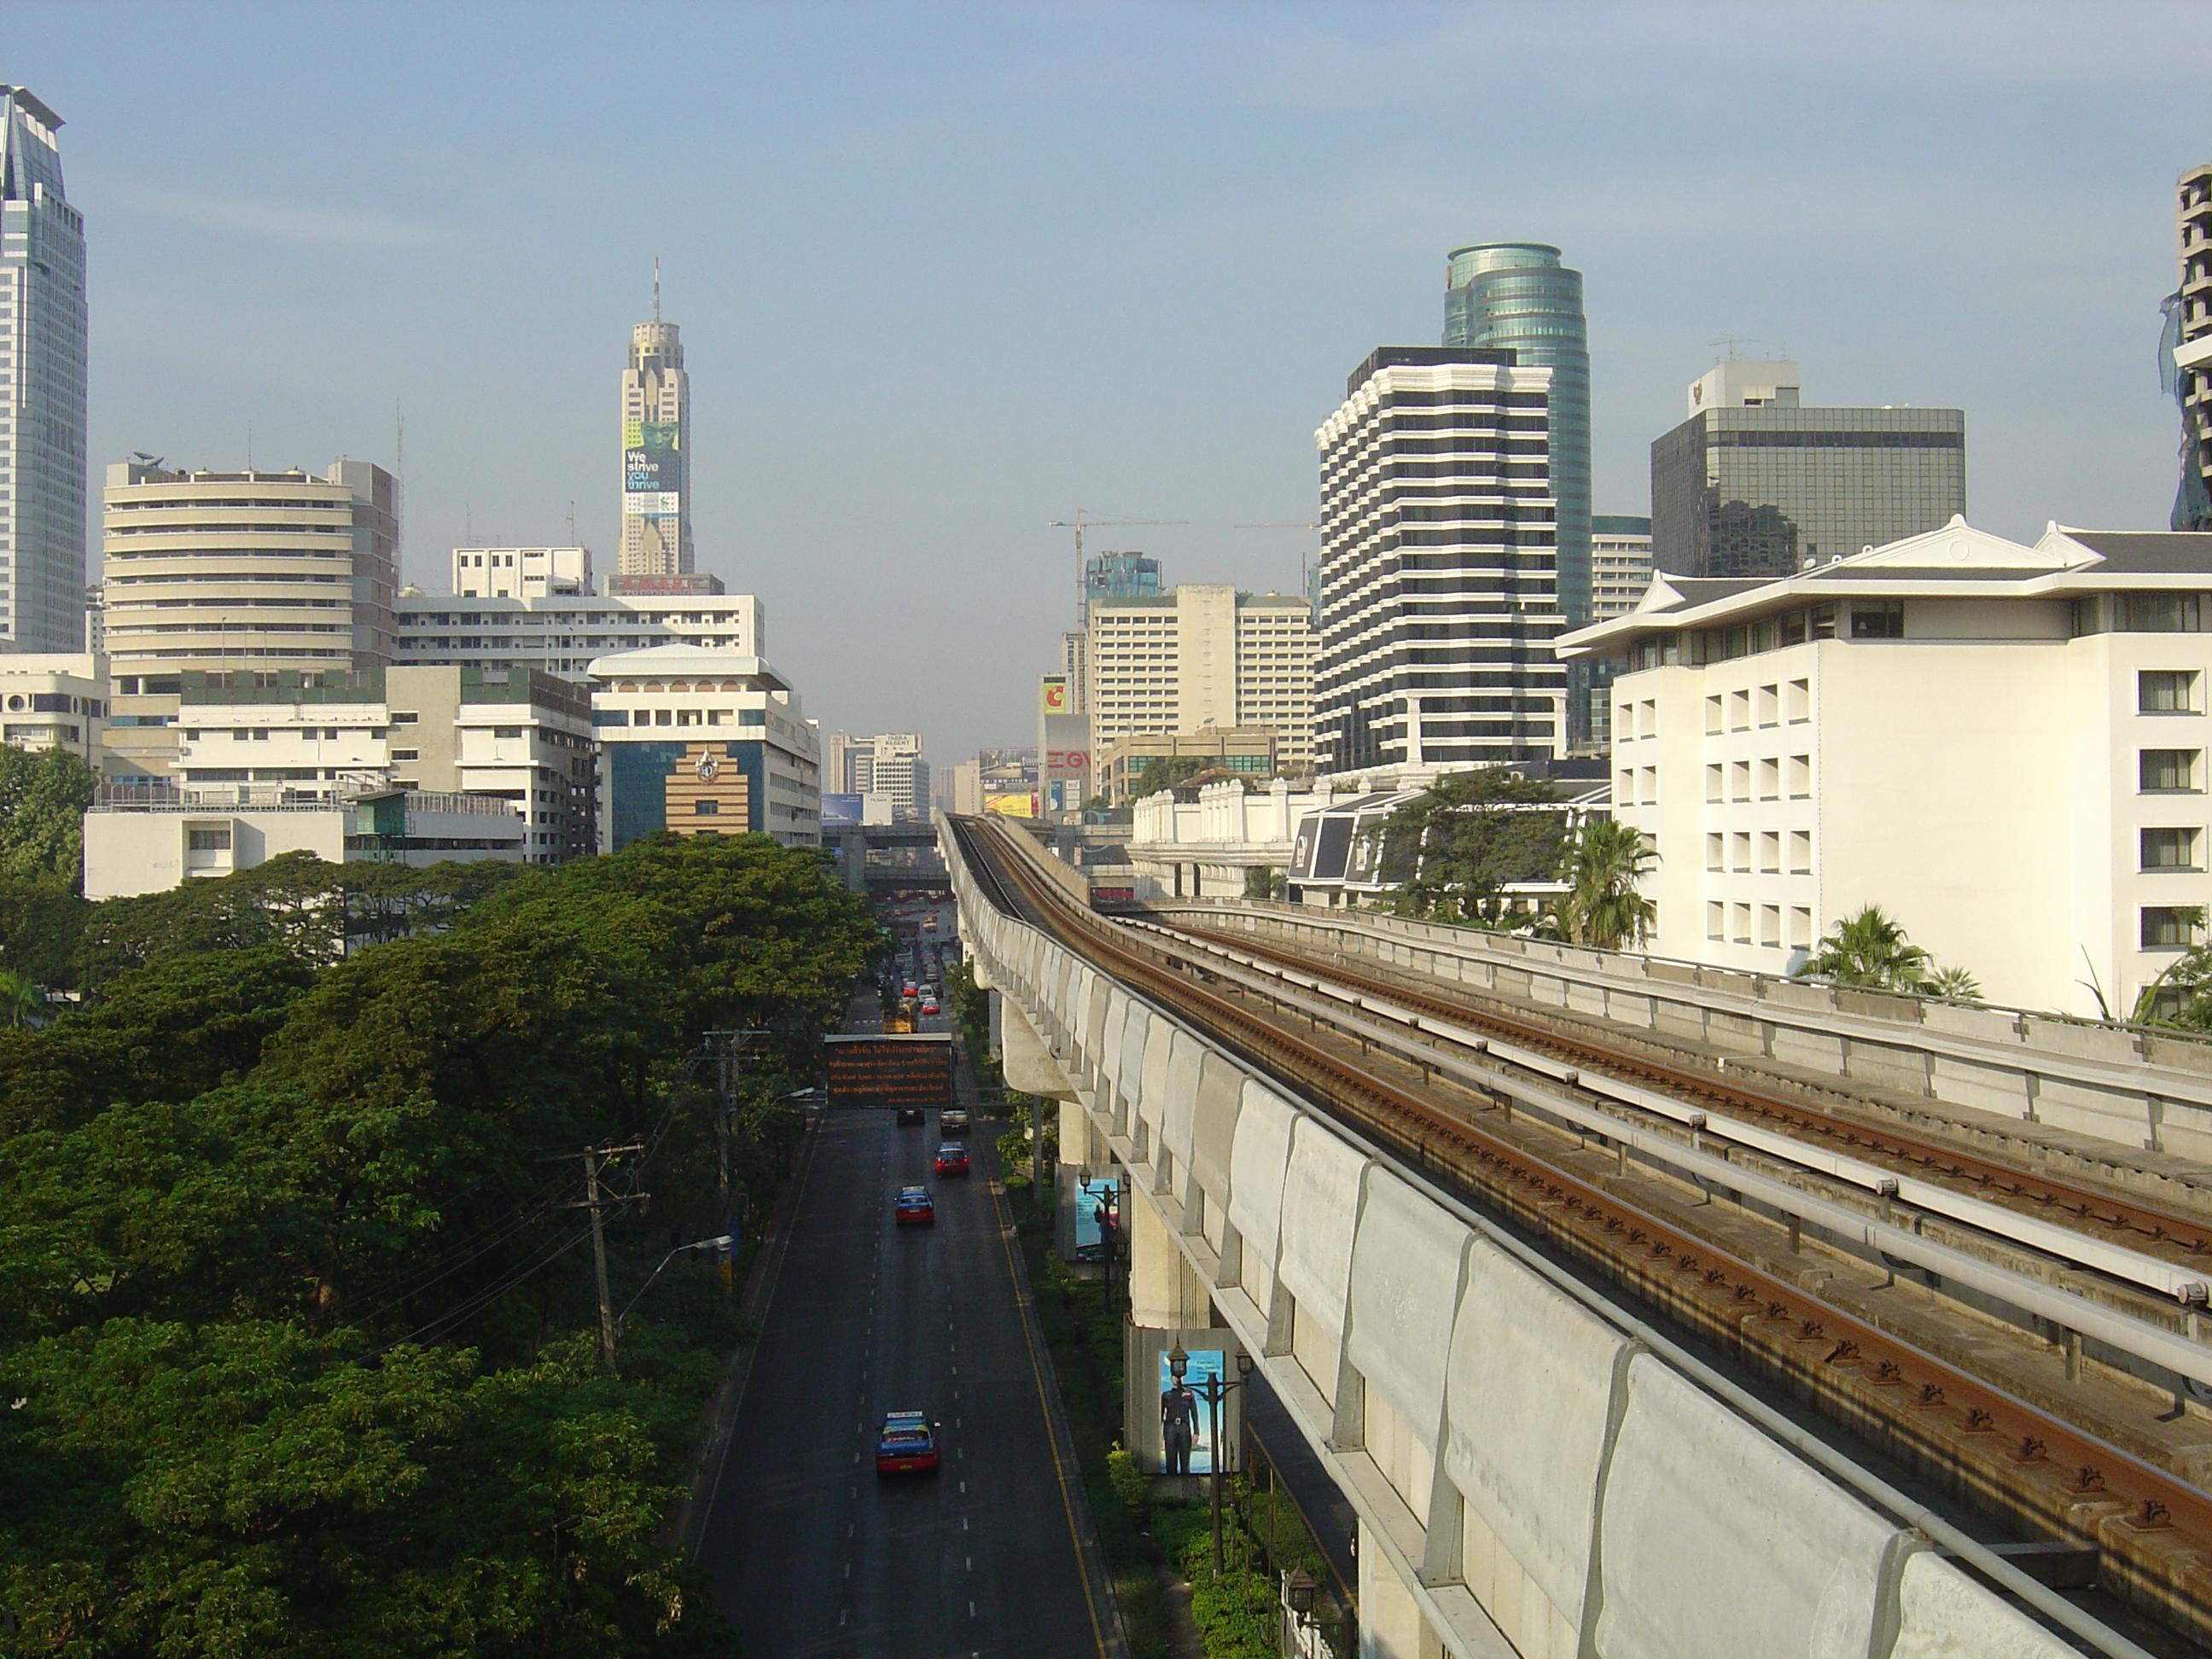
x=1753, y=484
x=42, y=314
x=1517, y=295
x=656, y=414
x=2186, y=368
x=1438, y=598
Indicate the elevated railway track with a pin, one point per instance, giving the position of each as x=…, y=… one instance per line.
x=1613, y=1160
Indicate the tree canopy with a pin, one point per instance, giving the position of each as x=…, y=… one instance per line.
x=302, y=1337
x=43, y=795
x=1452, y=850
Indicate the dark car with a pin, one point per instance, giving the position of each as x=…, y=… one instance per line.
x=909, y=1116
x=906, y=1444
x=951, y=1160
x=913, y=1208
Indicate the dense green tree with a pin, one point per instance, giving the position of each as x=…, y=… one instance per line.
x=43, y=797
x=1451, y=852
x=1165, y=772
x=41, y=922
x=1870, y=949
x=302, y=1335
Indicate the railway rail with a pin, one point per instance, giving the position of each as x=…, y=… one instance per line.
x=2024, y=1466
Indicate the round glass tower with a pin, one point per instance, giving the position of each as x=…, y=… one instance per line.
x=1518, y=295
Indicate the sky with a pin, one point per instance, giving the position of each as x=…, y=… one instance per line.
x=947, y=273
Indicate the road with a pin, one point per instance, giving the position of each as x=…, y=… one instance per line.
x=810, y=1553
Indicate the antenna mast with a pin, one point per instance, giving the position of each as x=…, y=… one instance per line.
x=656, y=287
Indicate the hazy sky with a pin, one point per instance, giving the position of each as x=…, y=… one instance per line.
x=946, y=272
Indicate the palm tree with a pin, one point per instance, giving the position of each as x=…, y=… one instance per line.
x=1954, y=984
x=21, y=1004
x=1602, y=866
x=1870, y=949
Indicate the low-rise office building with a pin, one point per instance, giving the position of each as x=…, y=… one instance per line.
x=519, y=736
x=560, y=632
x=58, y=702
x=1248, y=749
x=2002, y=746
x=703, y=742
x=146, y=838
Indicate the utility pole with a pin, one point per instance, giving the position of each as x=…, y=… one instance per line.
x=725, y=1113
x=598, y=1202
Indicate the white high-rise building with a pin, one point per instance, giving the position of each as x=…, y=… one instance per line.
x=560, y=632
x=1202, y=656
x=43, y=453
x=1439, y=597
x=656, y=425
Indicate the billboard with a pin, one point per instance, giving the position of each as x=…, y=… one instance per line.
x=1012, y=807
x=839, y=810
x=890, y=1070
x=667, y=504
x=1052, y=695
x=1185, y=1436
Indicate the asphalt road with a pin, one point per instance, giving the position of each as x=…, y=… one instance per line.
x=811, y=1553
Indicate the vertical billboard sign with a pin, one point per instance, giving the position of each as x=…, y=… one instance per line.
x=1185, y=1432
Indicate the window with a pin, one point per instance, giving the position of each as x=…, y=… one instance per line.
x=1801, y=927
x=1648, y=725
x=1740, y=846
x=1801, y=852
x=1884, y=621
x=1739, y=780
x=2169, y=849
x=1716, y=919
x=406, y=753
x=1769, y=853
x=1713, y=781
x=1770, y=924
x=706, y=809
x=398, y=718
x=208, y=840
x=2172, y=927
x=1741, y=920
x=2159, y=613
x=1770, y=780
x=1716, y=853
x=1739, y=710
x=1650, y=786
x=506, y=732
x=1769, y=705
x=1712, y=715
x=1625, y=789
x=2165, y=691
x=1801, y=777
x=2168, y=771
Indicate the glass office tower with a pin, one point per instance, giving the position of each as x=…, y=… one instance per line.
x=1517, y=294
x=42, y=413
x=1755, y=484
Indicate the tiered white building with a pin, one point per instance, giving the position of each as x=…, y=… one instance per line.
x=2003, y=747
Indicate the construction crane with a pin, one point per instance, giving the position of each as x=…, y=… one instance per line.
x=1078, y=524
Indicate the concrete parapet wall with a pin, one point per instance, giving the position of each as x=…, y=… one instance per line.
x=1530, y=1480
x=2145, y=1091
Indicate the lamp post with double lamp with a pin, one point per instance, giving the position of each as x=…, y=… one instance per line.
x=1214, y=1390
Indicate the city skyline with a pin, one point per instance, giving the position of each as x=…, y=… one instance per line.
x=868, y=524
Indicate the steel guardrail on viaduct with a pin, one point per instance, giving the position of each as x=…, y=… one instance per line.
x=1544, y=1472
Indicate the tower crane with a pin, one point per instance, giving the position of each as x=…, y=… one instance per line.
x=1078, y=524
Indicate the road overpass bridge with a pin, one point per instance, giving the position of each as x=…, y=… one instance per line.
x=1604, y=1366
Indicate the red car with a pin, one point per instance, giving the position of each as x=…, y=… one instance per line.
x=951, y=1160
x=913, y=1208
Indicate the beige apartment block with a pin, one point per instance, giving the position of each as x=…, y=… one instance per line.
x=2003, y=747
x=1202, y=656
x=263, y=572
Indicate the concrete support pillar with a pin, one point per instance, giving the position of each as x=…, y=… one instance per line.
x=1079, y=1139
x=1164, y=1291
x=1390, y=1622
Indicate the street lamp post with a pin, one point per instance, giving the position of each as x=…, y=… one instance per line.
x=1214, y=1390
